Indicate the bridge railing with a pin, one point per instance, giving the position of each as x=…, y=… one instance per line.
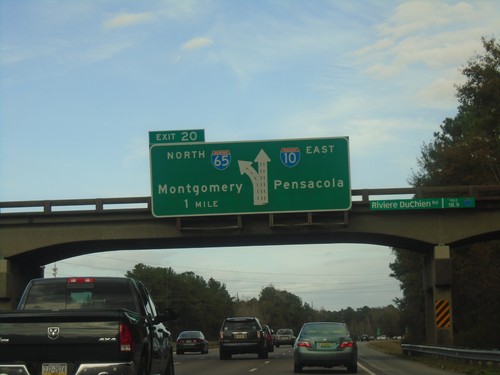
x=76, y=205
x=359, y=196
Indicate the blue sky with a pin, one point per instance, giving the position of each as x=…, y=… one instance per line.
x=83, y=82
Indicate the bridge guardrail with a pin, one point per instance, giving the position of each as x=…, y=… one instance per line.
x=359, y=196
x=474, y=355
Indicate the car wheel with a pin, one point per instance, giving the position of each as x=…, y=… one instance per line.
x=352, y=368
x=224, y=355
x=297, y=368
x=263, y=354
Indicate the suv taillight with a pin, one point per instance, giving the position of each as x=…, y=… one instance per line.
x=221, y=335
x=126, y=338
x=259, y=334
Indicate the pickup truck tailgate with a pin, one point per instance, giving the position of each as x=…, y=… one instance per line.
x=93, y=336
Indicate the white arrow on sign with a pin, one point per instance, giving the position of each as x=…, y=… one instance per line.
x=259, y=179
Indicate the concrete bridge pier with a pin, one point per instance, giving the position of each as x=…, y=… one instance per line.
x=438, y=304
x=14, y=277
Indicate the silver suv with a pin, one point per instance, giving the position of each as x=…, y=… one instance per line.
x=240, y=336
x=284, y=336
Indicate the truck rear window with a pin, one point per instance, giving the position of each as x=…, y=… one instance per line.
x=96, y=296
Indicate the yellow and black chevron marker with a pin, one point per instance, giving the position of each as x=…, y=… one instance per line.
x=443, y=314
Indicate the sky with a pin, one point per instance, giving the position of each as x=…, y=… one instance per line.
x=82, y=83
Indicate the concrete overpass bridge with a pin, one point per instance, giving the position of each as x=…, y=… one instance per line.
x=36, y=233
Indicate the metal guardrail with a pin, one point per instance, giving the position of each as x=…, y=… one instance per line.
x=474, y=355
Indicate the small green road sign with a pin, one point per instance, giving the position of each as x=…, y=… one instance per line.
x=250, y=177
x=422, y=204
x=176, y=136
x=469, y=202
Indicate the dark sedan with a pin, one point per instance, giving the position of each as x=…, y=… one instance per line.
x=269, y=338
x=191, y=341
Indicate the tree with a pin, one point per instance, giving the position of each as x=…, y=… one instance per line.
x=200, y=305
x=465, y=151
x=407, y=268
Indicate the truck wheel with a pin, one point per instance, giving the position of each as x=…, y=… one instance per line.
x=170, y=366
x=143, y=370
x=263, y=354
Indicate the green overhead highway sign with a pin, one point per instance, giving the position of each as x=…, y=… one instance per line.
x=250, y=177
x=422, y=204
x=176, y=136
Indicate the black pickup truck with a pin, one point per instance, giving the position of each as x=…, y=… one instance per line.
x=85, y=325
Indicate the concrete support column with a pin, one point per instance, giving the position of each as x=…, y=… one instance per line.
x=438, y=303
x=13, y=279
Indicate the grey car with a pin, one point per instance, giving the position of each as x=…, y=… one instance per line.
x=284, y=336
x=325, y=344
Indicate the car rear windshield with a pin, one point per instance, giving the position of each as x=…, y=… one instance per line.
x=94, y=296
x=325, y=329
x=190, y=334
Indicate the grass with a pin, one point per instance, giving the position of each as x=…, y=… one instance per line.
x=393, y=347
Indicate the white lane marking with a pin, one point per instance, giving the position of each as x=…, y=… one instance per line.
x=252, y=370
x=365, y=369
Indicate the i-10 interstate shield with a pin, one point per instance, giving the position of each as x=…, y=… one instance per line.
x=293, y=175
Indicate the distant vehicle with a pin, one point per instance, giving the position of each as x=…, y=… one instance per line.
x=382, y=337
x=284, y=336
x=325, y=344
x=191, y=341
x=242, y=335
x=371, y=338
x=269, y=338
x=365, y=338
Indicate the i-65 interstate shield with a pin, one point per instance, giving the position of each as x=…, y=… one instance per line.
x=250, y=177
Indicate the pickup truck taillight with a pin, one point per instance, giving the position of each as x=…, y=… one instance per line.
x=126, y=338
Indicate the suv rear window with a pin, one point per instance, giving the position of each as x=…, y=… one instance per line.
x=240, y=326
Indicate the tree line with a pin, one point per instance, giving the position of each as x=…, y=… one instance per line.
x=203, y=305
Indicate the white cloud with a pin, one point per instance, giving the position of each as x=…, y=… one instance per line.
x=422, y=33
x=197, y=43
x=104, y=51
x=441, y=93
x=129, y=19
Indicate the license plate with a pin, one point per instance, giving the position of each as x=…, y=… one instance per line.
x=325, y=345
x=240, y=336
x=54, y=369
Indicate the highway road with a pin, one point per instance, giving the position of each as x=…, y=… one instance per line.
x=370, y=362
